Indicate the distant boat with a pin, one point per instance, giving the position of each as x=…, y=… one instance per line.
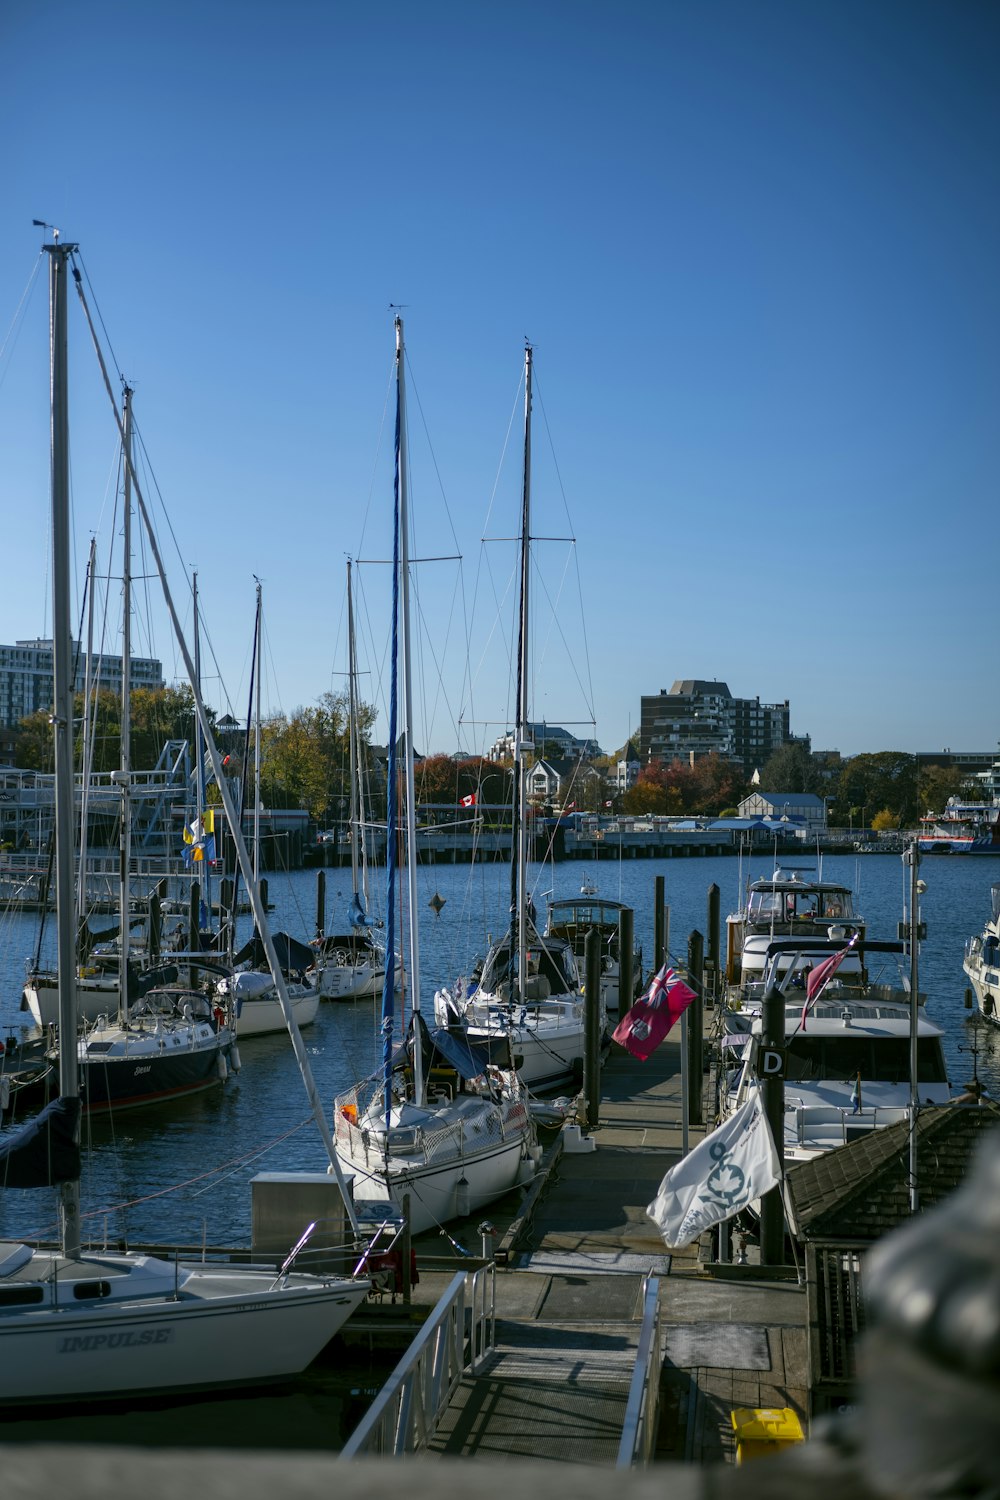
x=790, y=903
x=963, y=828
x=351, y=965
x=576, y=916
x=982, y=961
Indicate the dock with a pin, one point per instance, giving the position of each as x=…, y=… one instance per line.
x=571, y=1267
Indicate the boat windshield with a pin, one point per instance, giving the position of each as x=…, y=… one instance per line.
x=789, y=904
x=879, y=1059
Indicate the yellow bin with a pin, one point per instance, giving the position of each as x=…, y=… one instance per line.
x=764, y=1429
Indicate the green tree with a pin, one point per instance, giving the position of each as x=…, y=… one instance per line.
x=936, y=784
x=887, y=779
x=791, y=769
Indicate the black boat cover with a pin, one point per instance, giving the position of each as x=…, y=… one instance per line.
x=290, y=952
x=46, y=1151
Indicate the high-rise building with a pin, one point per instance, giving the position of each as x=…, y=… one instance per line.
x=698, y=716
x=26, y=677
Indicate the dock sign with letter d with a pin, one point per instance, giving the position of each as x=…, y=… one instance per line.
x=771, y=1062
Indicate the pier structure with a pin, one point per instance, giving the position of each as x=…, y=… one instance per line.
x=572, y=1269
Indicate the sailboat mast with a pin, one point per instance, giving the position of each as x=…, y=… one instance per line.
x=125, y=771
x=521, y=743
x=352, y=709
x=256, y=737
x=411, y=810
x=62, y=713
x=87, y=757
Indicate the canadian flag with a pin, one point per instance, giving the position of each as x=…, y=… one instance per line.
x=470, y=800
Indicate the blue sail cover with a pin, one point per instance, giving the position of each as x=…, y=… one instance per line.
x=356, y=913
x=46, y=1151
x=467, y=1060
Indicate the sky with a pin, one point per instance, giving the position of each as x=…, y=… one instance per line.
x=754, y=248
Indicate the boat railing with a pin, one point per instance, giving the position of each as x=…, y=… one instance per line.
x=642, y=1408
x=827, y=1125
x=457, y=1337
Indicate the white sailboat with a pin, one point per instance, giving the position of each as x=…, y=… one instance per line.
x=440, y=1124
x=351, y=963
x=77, y=1324
x=528, y=991
x=250, y=994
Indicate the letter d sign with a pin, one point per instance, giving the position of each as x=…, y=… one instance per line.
x=771, y=1063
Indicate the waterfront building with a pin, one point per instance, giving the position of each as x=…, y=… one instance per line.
x=698, y=717
x=547, y=738
x=802, y=808
x=26, y=677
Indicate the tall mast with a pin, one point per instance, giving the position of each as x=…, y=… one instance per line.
x=256, y=738
x=62, y=713
x=411, y=809
x=519, y=936
x=87, y=757
x=199, y=761
x=125, y=773
x=352, y=730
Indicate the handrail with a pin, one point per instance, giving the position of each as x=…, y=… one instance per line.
x=643, y=1406
x=404, y=1416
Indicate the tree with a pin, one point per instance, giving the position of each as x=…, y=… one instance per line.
x=885, y=821
x=655, y=791
x=887, y=780
x=936, y=784
x=305, y=758
x=791, y=768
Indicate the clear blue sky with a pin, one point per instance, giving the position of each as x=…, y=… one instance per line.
x=756, y=247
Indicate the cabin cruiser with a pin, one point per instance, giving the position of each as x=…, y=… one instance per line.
x=846, y=1058
x=982, y=961
x=788, y=904
x=572, y=919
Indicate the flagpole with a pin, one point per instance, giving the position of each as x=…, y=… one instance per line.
x=772, y=1208
x=912, y=858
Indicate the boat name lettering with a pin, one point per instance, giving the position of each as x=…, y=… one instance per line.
x=145, y=1069
x=90, y=1343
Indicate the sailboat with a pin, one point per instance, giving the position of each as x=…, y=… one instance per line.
x=528, y=990
x=82, y=1325
x=249, y=994
x=156, y=1039
x=351, y=963
x=443, y=1125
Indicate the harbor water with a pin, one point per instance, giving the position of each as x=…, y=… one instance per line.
x=180, y=1174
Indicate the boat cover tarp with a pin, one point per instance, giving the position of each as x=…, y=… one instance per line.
x=453, y=1048
x=290, y=952
x=46, y=1151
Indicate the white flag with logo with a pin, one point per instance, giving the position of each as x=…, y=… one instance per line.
x=726, y=1171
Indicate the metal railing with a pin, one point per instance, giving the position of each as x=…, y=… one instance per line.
x=642, y=1409
x=404, y=1416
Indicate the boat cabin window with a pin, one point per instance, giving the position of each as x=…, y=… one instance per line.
x=91, y=1291
x=882, y=1060
x=20, y=1296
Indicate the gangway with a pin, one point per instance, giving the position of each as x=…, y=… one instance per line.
x=475, y=1385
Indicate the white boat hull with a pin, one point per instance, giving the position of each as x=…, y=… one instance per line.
x=228, y=1327
x=263, y=1015
x=451, y=1166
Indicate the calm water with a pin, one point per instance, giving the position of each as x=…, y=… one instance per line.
x=182, y=1173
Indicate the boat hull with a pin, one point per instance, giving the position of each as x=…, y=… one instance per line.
x=263, y=1015
x=228, y=1328
x=436, y=1192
